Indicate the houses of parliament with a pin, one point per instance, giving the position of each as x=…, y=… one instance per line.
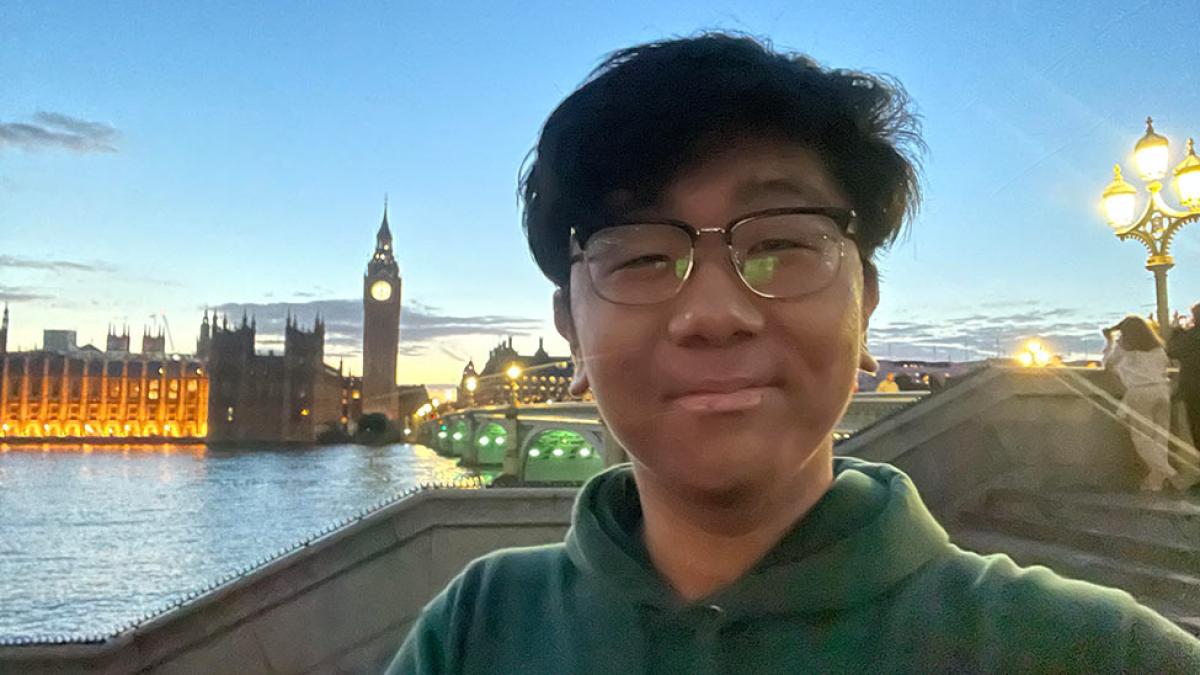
x=225, y=392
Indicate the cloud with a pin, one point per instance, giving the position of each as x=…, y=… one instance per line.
x=52, y=265
x=21, y=294
x=55, y=130
x=979, y=335
x=421, y=326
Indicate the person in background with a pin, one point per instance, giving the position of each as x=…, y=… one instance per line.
x=1135, y=353
x=1184, y=346
x=888, y=385
x=709, y=211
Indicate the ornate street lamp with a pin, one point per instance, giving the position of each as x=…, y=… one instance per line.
x=1159, y=222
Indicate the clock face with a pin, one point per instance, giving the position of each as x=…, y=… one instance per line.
x=381, y=290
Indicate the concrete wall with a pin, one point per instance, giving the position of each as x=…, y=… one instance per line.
x=1040, y=428
x=342, y=604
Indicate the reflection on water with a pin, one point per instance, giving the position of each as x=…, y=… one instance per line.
x=92, y=536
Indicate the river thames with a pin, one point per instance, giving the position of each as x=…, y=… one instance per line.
x=92, y=537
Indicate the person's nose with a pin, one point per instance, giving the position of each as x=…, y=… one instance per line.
x=714, y=308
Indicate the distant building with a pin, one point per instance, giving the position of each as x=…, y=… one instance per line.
x=4, y=331
x=916, y=375
x=85, y=393
x=59, y=341
x=411, y=397
x=544, y=378
x=381, y=326
x=273, y=398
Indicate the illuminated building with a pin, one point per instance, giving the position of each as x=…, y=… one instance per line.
x=381, y=326
x=541, y=378
x=65, y=391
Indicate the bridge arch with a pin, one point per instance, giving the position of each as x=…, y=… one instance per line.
x=550, y=454
x=491, y=442
x=459, y=439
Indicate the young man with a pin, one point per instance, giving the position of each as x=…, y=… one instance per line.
x=708, y=210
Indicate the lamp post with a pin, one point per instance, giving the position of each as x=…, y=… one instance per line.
x=1159, y=221
x=513, y=373
x=472, y=384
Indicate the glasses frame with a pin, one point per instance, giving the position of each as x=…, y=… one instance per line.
x=845, y=219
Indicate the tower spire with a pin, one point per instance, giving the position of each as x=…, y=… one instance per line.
x=385, y=232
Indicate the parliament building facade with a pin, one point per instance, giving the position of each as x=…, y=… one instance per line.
x=226, y=392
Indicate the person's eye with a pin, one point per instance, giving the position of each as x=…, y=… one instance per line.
x=655, y=260
x=773, y=245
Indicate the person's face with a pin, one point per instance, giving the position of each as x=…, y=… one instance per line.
x=718, y=389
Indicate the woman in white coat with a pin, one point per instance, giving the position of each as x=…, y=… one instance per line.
x=1135, y=353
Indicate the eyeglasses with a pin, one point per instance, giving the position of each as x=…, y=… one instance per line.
x=777, y=253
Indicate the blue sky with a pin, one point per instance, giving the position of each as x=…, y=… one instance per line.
x=232, y=155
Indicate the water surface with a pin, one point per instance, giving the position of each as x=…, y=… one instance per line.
x=92, y=537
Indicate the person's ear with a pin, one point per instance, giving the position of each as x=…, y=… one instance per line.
x=870, y=300
x=564, y=322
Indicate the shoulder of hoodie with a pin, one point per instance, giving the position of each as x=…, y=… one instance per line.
x=1036, y=610
x=534, y=575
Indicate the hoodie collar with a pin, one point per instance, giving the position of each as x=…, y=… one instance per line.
x=868, y=532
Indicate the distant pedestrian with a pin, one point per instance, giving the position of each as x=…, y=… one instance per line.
x=1135, y=353
x=1184, y=346
x=888, y=385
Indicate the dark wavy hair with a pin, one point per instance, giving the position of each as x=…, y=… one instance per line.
x=1138, y=335
x=649, y=112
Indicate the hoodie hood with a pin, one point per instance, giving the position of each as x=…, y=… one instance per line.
x=866, y=534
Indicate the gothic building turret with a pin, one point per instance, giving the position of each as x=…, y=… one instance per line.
x=204, y=343
x=117, y=343
x=154, y=345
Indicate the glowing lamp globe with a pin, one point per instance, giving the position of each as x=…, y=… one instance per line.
x=1042, y=357
x=1150, y=154
x=1187, y=178
x=513, y=372
x=1120, y=200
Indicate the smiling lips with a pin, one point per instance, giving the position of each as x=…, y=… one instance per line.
x=721, y=396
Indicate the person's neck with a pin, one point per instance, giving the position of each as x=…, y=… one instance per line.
x=704, y=543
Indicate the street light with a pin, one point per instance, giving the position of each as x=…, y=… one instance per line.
x=1159, y=221
x=513, y=373
x=472, y=384
x=1034, y=354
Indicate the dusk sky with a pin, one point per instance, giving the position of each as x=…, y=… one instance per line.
x=158, y=158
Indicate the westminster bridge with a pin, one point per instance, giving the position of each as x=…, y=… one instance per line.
x=568, y=442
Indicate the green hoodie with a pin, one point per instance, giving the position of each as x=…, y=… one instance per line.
x=866, y=581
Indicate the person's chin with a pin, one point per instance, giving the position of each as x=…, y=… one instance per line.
x=718, y=462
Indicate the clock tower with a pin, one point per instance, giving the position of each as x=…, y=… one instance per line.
x=381, y=325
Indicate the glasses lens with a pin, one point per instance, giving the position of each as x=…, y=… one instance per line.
x=787, y=255
x=638, y=264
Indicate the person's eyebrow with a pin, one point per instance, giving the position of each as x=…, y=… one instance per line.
x=756, y=188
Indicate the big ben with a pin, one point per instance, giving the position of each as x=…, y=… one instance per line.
x=381, y=325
